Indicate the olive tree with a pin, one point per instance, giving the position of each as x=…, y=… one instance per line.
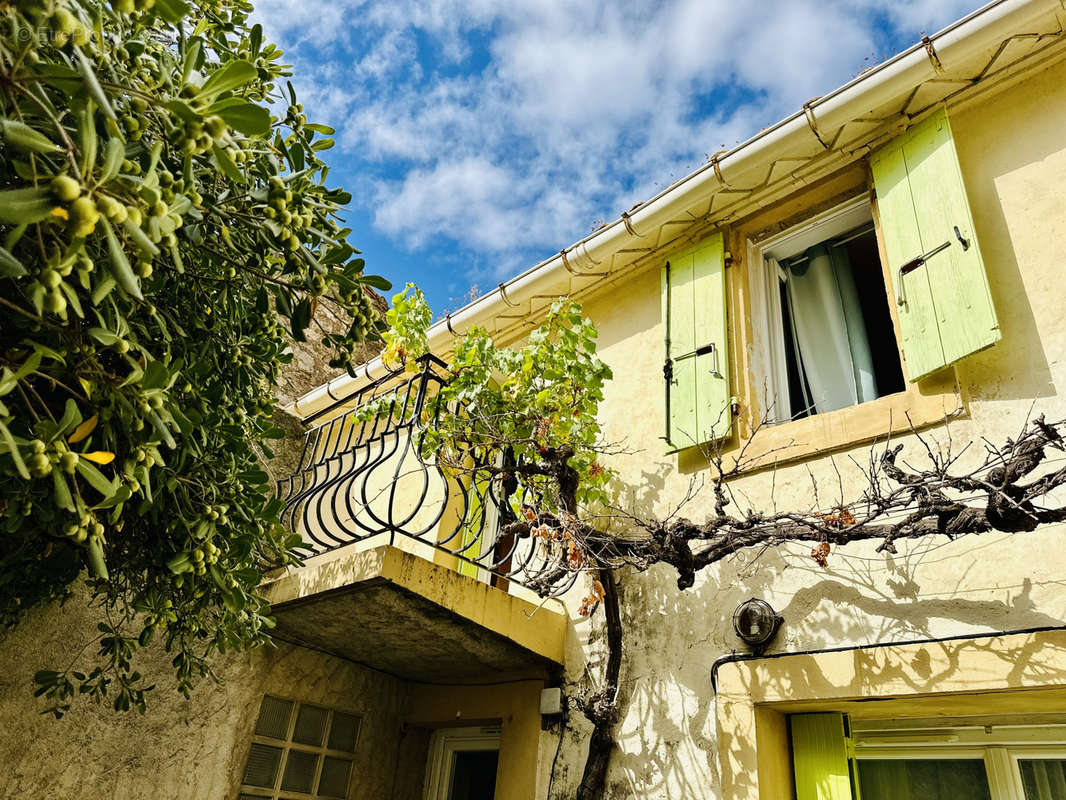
x=165, y=226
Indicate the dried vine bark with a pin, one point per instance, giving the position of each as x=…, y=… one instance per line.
x=900, y=501
x=602, y=708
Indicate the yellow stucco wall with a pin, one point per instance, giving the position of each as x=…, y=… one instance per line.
x=181, y=749
x=196, y=749
x=1012, y=149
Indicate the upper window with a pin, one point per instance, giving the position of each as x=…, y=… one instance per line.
x=825, y=329
x=822, y=309
x=299, y=752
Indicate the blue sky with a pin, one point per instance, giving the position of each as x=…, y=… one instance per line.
x=480, y=137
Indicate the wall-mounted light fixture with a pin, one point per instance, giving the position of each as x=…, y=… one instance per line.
x=756, y=623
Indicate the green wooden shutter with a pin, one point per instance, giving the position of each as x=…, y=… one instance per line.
x=822, y=759
x=697, y=362
x=945, y=309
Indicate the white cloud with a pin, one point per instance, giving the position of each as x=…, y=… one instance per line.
x=511, y=127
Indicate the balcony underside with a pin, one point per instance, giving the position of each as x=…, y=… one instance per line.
x=400, y=613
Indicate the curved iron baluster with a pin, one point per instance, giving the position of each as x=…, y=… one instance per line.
x=327, y=499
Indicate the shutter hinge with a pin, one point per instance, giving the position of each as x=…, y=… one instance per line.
x=734, y=404
x=727, y=259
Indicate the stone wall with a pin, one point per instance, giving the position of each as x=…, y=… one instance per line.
x=181, y=749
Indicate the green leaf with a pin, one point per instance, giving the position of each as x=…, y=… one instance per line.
x=97, y=564
x=230, y=76
x=62, y=495
x=156, y=375
x=322, y=144
x=104, y=337
x=120, y=265
x=92, y=84
x=70, y=420
x=162, y=430
x=325, y=130
x=173, y=11
x=24, y=206
x=248, y=118
x=140, y=238
x=120, y=496
x=22, y=137
x=300, y=319
x=113, y=155
x=230, y=169
x=13, y=451
x=183, y=111
x=96, y=478
x=377, y=282
x=10, y=267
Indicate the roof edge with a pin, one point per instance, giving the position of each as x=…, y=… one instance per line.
x=973, y=33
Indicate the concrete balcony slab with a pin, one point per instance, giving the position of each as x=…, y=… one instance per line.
x=397, y=612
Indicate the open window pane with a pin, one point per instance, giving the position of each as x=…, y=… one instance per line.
x=840, y=346
x=474, y=774
x=923, y=779
x=1043, y=778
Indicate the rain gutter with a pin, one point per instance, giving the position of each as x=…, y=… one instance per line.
x=983, y=29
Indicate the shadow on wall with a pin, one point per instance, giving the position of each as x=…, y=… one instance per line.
x=1013, y=164
x=935, y=588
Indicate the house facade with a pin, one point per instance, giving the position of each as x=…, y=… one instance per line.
x=885, y=264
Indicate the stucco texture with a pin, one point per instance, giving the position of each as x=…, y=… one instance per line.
x=181, y=749
x=1012, y=150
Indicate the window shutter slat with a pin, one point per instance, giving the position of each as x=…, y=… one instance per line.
x=694, y=309
x=821, y=761
x=946, y=311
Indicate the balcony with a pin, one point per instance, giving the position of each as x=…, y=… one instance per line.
x=407, y=569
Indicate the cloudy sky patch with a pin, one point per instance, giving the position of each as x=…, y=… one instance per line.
x=480, y=137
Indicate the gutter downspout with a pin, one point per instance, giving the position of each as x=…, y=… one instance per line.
x=959, y=41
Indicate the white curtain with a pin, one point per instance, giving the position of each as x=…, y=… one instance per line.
x=829, y=330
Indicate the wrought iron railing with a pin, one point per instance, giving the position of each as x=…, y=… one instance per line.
x=362, y=476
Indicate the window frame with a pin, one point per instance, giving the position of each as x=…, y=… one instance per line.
x=1001, y=756
x=287, y=745
x=754, y=697
x=444, y=744
x=766, y=312
x=931, y=401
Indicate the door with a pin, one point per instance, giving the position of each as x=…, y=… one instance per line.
x=462, y=764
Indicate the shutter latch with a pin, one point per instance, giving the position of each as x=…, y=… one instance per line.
x=709, y=348
x=917, y=261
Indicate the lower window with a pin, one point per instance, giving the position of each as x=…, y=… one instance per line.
x=300, y=751
x=987, y=760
